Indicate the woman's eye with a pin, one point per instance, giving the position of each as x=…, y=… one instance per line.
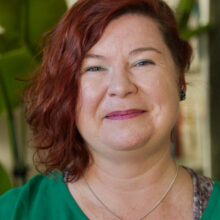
x=144, y=63
x=94, y=69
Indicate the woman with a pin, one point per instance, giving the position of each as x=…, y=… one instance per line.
x=102, y=110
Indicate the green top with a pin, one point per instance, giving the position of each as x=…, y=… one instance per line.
x=212, y=211
x=41, y=198
x=48, y=198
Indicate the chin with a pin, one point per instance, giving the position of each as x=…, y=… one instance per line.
x=127, y=143
x=126, y=138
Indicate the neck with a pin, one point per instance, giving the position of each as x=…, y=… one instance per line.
x=133, y=174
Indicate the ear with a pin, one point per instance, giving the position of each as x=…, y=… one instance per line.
x=182, y=86
x=182, y=82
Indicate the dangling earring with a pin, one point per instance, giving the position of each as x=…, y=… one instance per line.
x=182, y=95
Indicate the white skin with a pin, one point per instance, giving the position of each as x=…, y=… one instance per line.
x=130, y=67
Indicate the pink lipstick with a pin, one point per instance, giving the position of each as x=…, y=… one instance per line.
x=122, y=115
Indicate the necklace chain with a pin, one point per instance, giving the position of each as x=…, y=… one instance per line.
x=148, y=211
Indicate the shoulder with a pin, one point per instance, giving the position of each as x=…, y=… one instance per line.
x=202, y=190
x=217, y=186
x=212, y=211
x=33, y=186
x=215, y=196
x=206, y=196
x=17, y=202
x=203, y=186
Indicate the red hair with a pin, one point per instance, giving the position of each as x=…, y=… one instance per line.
x=52, y=95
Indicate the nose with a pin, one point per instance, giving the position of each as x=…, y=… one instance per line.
x=122, y=84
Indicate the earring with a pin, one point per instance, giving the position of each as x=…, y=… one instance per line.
x=182, y=95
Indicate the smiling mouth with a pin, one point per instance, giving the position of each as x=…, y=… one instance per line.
x=122, y=115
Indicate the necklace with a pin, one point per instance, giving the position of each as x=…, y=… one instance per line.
x=148, y=211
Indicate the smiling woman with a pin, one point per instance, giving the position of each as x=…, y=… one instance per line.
x=135, y=79
x=102, y=109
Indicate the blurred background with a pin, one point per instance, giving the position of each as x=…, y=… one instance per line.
x=197, y=133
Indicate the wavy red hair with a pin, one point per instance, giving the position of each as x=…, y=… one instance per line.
x=52, y=95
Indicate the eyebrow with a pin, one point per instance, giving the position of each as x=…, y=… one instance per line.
x=143, y=49
x=94, y=56
x=131, y=53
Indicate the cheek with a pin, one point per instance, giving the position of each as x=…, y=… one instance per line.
x=165, y=92
x=90, y=96
x=164, y=97
x=160, y=87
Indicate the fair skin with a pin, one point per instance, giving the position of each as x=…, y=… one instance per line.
x=128, y=105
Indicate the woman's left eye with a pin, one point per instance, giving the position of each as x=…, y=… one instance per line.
x=144, y=63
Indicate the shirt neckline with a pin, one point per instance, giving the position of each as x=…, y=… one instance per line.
x=70, y=199
x=193, y=175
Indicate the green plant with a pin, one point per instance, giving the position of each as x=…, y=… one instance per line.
x=5, y=180
x=22, y=23
x=184, y=11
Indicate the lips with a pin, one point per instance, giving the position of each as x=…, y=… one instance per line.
x=122, y=115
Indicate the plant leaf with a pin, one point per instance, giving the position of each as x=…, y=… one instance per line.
x=7, y=44
x=10, y=18
x=43, y=15
x=14, y=67
x=5, y=180
x=183, y=12
x=188, y=33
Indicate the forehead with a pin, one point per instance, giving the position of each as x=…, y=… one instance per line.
x=129, y=32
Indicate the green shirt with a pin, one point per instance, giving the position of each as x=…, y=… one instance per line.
x=41, y=198
x=212, y=211
x=48, y=198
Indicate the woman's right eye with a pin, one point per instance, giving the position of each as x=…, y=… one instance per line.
x=94, y=69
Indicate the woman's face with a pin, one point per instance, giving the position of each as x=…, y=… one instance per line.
x=129, y=95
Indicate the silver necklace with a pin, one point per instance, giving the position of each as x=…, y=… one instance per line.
x=148, y=211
